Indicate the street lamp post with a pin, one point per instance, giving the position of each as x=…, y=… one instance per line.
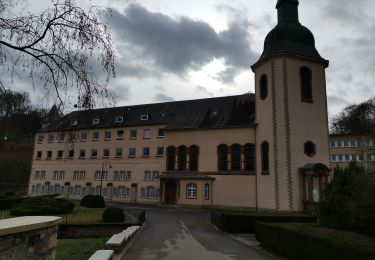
x=105, y=163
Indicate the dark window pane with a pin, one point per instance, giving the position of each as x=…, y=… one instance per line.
x=235, y=157
x=249, y=155
x=306, y=84
x=222, y=157
x=265, y=157
x=193, y=157
x=182, y=152
x=171, y=158
x=263, y=87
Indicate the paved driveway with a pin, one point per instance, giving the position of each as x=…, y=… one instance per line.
x=180, y=234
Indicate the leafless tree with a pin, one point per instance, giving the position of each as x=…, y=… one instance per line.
x=59, y=48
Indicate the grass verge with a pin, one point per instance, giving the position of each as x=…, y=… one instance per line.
x=77, y=249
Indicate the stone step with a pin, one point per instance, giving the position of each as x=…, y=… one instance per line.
x=102, y=255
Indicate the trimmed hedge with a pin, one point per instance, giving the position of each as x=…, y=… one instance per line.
x=234, y=222
x=113, y=215
x=9, y=202
x=311, y=242
x=93, y=201
x=41, y=206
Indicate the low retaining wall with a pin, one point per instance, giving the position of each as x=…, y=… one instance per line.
x=96, y=230
x=28, y=238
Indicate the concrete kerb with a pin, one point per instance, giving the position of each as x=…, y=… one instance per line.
x=119, y=255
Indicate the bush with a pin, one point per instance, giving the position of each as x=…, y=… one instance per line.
x=349, y=201
x=41, y=206
x=9, y=202
x=309, y=241
x=234, y=222
x=113, y=215
x=93, y=201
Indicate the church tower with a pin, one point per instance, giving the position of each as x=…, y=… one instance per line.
x=291, y=111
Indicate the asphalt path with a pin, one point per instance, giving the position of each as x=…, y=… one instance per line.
x=175, y=233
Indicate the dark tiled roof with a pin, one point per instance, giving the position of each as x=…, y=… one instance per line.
x=231, y=111
x=184, y=176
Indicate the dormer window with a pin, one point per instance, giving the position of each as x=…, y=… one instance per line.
x=74, y=122
x=144, y=117
x=96, y=121
x=119, y=119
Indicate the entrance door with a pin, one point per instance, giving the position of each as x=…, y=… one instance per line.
x=170, y=192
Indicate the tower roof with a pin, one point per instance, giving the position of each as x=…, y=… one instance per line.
x=289, y=36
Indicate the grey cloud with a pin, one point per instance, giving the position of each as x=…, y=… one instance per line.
x=204, y=91
x=163, y=98
x=335, y=100
x=180, y=45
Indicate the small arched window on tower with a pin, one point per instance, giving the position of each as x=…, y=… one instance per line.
x=171, y=158
x=222, y=157
x=306, y=84
x=263, y=88
x=182, y=153
x=310, y=149
x=235, y=155
x=264, y=149
x=193, y=157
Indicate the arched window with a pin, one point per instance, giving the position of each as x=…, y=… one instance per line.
x=193, y=157
x=306, y=84
x=222, y=157
x=235, y=155
x=263, y=89
x=191, y=191
x=310, y=149
x=249, y=156
x=265, y=157
x=207, y=191
x=182, y=153
x=171, y=158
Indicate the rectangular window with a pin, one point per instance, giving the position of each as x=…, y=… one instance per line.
x=333, y=158
x=49, y=155
x=346, y=144
x=160, y=151
x=133, y=134
x=155, y=175
x=61, y=175
x=72, y=137
x=106, y=153
x=60, y=154
x=82, y=154
x=96, y=121
x=115, y=176
x=120, y=134
x=95, y=136
x=161, y=133
x=50, y=138
x=83, y=136
x=71, y=154
x=39, y=155
x=94, y=153
x=118, y=152
x=347, y=157
x=146, y=152
x=338, y=144
x=122, y=175
x=127, y=192
x=147, y=176
x=40, y=139
x=107, y=135
x=143, y=193
x=76, y=175
x=82, y=175
x=37, y=175
x=61, y=138
x=77, y=191
x=132, y=152
x=128, y=175
x=146, y=133
x=119, y=119
x=341, y=157
x=144, y=117
x=333, y=144
x=150, y=192
x=98, y=175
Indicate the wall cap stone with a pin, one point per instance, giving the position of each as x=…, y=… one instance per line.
x=23, y=224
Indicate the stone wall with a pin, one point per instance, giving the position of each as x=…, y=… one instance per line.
x=28, y=238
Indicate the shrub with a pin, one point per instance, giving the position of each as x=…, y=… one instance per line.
x=93, y=201
x=42, y=206
x=113, y=215
x=9, y=202
x=234, y=222
x=85, y=199
x=309, y=241
x=349, y=201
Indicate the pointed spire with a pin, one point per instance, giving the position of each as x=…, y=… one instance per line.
x=287, y=10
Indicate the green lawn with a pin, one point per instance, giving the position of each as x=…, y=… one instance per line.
x=78, y=249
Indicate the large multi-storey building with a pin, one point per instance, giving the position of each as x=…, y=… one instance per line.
x=345, y=148
x=267, y=150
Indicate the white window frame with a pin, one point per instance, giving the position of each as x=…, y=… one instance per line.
x=191, y=191
x=144, y=117
x=119, y=119
x=74, y=122
x=96, y=121
x=147, y=133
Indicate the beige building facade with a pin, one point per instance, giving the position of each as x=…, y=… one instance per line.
x=267, y=150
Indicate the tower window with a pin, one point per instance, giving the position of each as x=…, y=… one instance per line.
x=306, y=84
x=310, y=149
x=264, y=149
x=263, y=87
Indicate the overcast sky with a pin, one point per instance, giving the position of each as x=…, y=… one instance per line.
x=179, y=49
